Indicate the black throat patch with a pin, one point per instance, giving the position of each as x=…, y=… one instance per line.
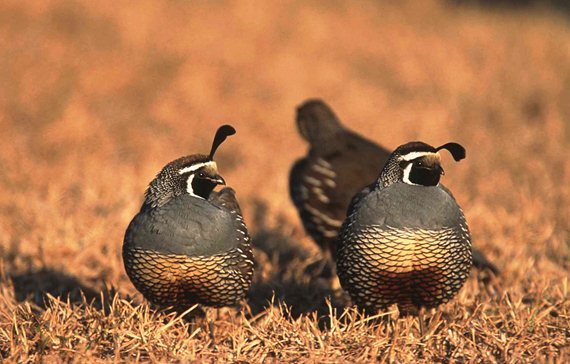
x=424, y=176
x=202, y=187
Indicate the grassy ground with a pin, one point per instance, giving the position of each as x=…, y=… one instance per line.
x=96, y=98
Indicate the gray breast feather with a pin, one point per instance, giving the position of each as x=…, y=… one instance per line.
x=404, y=205
x=185, y=225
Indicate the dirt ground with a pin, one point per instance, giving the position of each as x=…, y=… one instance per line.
x=95, y=98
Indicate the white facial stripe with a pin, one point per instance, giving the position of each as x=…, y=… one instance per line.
x=413, y=155
x=189, y=188
x=406, y=178
x=196, y=167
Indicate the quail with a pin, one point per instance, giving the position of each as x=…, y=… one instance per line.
x=405, y=240
x=189, y=244
x=339, y=164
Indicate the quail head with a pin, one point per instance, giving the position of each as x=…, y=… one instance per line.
x=405, y=240
x=189, y=244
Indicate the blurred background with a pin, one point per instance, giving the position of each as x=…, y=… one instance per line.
x=96, y=97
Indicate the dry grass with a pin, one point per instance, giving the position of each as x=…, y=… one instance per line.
x=95, y=99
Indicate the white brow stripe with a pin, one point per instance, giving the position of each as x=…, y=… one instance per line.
x=196, y=166
x=414, y=155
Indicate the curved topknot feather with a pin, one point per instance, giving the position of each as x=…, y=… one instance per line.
x=456, y=150
x=222, y=133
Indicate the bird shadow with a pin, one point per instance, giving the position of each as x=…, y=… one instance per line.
x=35, y=286
x=284, y=273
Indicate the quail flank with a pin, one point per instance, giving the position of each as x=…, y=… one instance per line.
x=189, y=244
x=405, y=240
x=339, y=164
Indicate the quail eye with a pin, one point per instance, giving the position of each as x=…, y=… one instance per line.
x=201, y=174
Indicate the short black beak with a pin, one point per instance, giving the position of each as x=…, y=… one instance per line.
x=217, y=179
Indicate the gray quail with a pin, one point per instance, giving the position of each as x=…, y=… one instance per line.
x=189, y=244
x=405, y=240
x=338, y=165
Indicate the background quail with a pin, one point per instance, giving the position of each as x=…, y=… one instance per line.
x=338, y=165
x=405, y=239
x=189, y=244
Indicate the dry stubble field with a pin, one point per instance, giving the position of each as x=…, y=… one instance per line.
x=96, y=98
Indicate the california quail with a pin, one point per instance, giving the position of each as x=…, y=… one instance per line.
x=405, y=240
x=338, y=165
x=189, y=244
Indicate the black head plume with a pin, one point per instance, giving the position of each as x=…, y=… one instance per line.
x=223, y=132
x=456, y=150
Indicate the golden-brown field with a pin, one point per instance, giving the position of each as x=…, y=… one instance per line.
x=95, y=97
